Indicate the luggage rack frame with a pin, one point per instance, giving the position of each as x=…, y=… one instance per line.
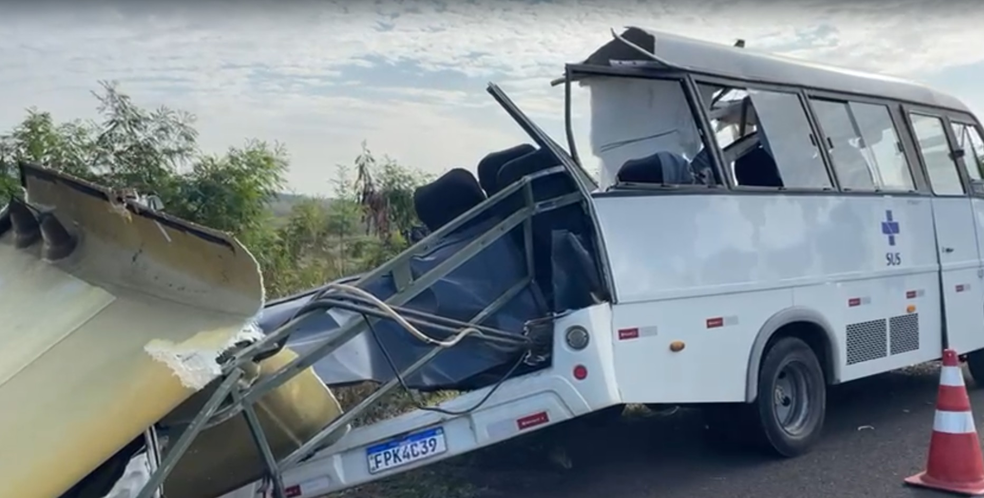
x=233, y=397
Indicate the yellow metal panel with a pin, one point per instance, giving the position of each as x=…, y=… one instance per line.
x=97, y=347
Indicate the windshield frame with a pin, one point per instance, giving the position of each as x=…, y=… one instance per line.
x=650, y=71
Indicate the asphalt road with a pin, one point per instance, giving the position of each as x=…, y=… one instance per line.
x=877, y=432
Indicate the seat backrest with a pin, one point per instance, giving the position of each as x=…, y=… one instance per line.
x=757, y=169
x=446, y=198
x=533, y=162
x=647, y=169
x=489, y=166
x=570, y=218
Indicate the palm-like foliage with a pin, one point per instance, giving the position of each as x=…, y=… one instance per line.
x=385, y=192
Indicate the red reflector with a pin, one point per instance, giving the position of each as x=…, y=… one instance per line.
x=580, y=372
x=854, y=301
x=624, y=334
x=910, y=294
x=715, y=322
x=532, y=420
x=293, y=491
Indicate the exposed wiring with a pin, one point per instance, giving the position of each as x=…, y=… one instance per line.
x=455, y=339
x=419, y=404
x=385, y=308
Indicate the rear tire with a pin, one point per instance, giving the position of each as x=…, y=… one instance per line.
x=791, y=401
x=975, y=363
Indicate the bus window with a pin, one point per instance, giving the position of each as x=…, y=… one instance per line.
x=636, y=130
x=932, y=142
x=863, y=145
x=765, y=138
x=881, y=146
x=970, y=141
x=843, y=145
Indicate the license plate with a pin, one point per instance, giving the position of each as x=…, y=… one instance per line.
x=405, y=450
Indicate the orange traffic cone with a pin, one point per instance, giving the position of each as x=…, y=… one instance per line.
x=955, y=463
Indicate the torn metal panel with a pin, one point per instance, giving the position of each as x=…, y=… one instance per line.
x=224, y=457
x=114, y=334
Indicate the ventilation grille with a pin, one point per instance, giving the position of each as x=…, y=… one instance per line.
x=867, y=341
x=904, y=330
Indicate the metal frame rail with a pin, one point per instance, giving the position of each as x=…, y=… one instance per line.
x=233, y=396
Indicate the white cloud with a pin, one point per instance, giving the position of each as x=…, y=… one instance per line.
x=248, y=70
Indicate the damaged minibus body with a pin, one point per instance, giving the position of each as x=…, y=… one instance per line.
x=675, y=273
x=473, y=307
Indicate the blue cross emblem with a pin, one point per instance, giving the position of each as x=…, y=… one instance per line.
x=890, y=227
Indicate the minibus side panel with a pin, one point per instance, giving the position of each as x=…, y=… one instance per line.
x=710, y=270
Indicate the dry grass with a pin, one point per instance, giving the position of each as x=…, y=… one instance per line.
x=395, y=403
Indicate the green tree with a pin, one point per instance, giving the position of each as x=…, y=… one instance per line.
x=39, y=139
x=8, y=174
x=343, y=222
x=67, y=147
x=230, y=192
x=156, y=152
x=138, y=148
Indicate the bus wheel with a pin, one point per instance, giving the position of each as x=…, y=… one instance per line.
x=792, y=397
x=975, y=363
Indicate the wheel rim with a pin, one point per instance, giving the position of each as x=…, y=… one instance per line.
x=790, y=397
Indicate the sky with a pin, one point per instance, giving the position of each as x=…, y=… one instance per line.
x=409, y=77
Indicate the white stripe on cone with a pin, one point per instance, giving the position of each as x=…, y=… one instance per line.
x=951, y=376
x=954, y=422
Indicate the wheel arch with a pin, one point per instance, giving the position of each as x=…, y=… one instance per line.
x=800, y=322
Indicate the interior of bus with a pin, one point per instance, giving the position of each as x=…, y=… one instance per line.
x=513, y=280
x=644, y=132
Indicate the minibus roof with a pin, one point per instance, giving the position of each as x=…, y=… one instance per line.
x=714, y=59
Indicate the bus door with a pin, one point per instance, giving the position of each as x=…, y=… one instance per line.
x=956, y=235
x=969, y=144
